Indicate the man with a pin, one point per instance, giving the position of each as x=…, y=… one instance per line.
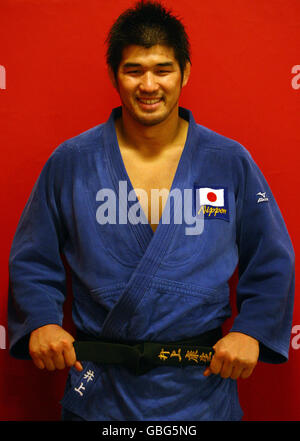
x=141, y=284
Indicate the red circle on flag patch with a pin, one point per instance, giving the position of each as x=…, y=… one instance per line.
x=212, y=197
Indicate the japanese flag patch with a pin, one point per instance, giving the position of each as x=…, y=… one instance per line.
x=212, y=202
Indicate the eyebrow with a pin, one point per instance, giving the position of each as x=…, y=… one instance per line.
x=166, y=64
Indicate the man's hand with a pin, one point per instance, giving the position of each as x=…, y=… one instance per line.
x=51, y=347
x=235, y=356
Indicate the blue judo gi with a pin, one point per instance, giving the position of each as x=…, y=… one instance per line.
x=132, y=284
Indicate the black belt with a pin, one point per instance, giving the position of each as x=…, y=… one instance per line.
x=140, y=357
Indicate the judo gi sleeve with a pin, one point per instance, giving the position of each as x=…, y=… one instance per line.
x=265, y=291
x=37, y=285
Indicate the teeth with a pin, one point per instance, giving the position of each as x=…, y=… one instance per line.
x=149, y=101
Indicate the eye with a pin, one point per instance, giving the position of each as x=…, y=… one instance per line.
x=133, y=72
x=163, y=71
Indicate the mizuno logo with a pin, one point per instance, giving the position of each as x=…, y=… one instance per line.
x=262, y=197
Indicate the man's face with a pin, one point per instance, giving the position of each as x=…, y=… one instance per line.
x=149, y=83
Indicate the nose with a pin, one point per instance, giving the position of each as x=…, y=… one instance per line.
x=148, y=83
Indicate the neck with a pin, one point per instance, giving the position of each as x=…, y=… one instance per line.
x=149, y=140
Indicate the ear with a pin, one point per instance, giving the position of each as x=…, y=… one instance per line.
x=186, y=74
x=112, y=78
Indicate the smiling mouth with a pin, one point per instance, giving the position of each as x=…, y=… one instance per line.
x=148, y=101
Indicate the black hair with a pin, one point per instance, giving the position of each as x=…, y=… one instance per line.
x=146, y=24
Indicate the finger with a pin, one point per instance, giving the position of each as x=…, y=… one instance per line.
x=38, y=362
x=70, y=357
x=236, y=372
x=58, y=360
x=216, y=365
x=45, y=355
x=207, y=372
x=78, y=366
x=49, y=365
x=69, y=354
x=56, y=354
x=226, y=369
x=247, y=372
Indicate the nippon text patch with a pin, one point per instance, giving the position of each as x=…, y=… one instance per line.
x=212, y=202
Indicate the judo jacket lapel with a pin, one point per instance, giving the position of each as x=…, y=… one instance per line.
x=153, y=245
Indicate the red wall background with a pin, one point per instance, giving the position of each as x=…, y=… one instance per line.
x=245, y=84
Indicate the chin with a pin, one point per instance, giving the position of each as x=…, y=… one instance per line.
x=149, y=119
